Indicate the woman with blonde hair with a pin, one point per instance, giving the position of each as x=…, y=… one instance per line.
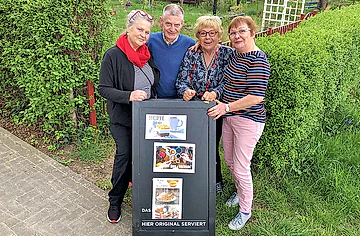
x=201, y=72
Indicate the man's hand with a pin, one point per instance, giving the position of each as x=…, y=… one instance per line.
x=194, y=47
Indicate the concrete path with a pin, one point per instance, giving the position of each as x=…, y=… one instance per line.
x=39, y=196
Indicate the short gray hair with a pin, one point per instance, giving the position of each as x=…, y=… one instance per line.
x=173, y=10
x=134, y=15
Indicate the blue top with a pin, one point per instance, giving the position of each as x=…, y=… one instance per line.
x=168, y=59
x=194, y=74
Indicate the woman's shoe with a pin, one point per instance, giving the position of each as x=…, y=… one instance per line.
x=239, y=221
x=233, y=200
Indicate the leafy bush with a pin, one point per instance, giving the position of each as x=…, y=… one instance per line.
x=315, y=71
x=49, y=49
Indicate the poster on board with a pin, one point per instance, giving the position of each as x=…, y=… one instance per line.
x=167, y=198
x=165, y=127
x=174, y=157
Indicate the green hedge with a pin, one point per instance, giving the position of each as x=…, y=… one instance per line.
x=314, y=71
x=48, y=50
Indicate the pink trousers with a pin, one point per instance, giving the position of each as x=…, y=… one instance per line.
x=240, y=136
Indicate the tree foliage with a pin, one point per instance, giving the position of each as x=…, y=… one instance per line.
x=49, y=49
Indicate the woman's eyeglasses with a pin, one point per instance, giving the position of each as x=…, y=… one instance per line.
x=240, y=32
x=142, y=14
x=211, y=33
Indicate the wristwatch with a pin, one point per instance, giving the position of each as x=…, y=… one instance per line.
x=227, y=108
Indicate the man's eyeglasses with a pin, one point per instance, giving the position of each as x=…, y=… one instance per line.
x=240, y=32
x=211, y=33
x=142, y=14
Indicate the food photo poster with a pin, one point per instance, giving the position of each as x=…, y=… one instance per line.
x=165, y=127
x=167, y=198
x=174, y=157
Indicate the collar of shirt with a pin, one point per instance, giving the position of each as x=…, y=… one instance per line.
x=168, y=42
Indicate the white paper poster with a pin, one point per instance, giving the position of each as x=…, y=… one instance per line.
x=174, y=157
x=165, y=127
x=167, y=198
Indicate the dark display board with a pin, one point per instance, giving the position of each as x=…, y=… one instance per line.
x=173, y=168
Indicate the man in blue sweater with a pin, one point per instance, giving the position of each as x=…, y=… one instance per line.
x=168, y=49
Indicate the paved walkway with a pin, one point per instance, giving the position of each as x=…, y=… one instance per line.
x=39, y=196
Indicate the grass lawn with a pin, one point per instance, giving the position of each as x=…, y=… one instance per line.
x=323, y=201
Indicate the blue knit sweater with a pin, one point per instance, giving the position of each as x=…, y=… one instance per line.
x=168, y=60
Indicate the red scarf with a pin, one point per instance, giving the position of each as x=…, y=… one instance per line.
x=138, y=57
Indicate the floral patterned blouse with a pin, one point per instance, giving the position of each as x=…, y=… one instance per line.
x=193, y=73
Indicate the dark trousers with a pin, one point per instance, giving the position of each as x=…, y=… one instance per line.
x=218, y=137
x=122, y=168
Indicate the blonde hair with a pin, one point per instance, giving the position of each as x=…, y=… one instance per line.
x=208, y=21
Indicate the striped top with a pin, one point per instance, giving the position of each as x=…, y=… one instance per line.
x=247, y=73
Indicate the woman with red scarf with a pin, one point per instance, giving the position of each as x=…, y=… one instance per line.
x=128, y=73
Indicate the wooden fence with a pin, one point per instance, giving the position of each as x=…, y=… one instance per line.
x=285, y=28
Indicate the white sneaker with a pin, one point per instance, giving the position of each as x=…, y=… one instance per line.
x=239, y=221
x=233, y=200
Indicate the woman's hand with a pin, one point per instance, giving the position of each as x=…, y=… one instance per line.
x=209, y=96
x=217, y=110
x=138, y=95
x=189, y=94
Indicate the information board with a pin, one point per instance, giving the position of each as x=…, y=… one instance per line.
x=173, y=168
